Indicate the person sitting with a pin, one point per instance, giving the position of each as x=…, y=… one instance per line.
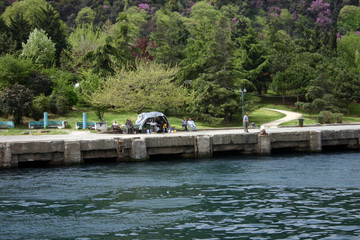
x=184, y=124
x=129, y=126
x=115, y=127
x=262, y=131
x=191, y=124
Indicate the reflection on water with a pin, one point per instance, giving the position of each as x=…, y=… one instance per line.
x=281, y=197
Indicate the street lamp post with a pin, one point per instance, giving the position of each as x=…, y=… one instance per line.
x=242, y=91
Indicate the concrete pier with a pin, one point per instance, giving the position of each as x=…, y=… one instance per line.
x=17, y=151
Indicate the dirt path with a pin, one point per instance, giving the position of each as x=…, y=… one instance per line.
x=289, y=116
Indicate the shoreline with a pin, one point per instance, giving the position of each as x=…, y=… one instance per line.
x=82, y=147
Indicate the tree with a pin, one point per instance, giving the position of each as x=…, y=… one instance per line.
x=20, y=30
x=39, y=83
x=7, y=44
x=85, y=16
x=150, y=87
x=86, y=38
x=40, y=49
x=170, y=38
x=29, y=9
x=127, y=30
x=101, y=60
x=49, y=21
x=349, y=18
x=16, y=101
x=14, y=70
x=88, y=85
x=347, y=82
x=349, y=49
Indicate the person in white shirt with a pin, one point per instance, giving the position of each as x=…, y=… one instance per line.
x=191, y=125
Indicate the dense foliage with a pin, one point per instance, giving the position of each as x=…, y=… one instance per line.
x=181, y=55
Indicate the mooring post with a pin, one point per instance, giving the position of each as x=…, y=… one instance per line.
x=45, y=119
x=84, y=120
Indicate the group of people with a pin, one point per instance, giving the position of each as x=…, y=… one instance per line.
x=129, y=126
x=188, y=124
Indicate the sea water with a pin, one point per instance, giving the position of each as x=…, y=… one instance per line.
x=315, y=196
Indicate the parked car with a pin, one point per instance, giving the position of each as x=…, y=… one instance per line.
x=152, y=122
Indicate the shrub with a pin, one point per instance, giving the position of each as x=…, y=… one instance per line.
x=39, y=105
x=16, y=100
x=62, y=105
x=40, y=83
x=325, y=117
x=338, y=117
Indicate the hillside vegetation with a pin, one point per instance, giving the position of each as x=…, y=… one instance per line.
x=184, y=58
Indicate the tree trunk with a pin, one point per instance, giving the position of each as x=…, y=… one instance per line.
x=348, y=108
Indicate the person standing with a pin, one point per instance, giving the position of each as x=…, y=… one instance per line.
x=246, y=122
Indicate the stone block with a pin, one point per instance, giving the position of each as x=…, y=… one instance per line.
x=264, y=144
x=37, y=147
x=5, y=155
x=315, y=143
x=203, y=146
x=72, y=152
x=138, y=150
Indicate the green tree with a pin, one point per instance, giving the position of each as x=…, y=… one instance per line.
x=127, y=30
x=7, y=44
x=150, y=87
x=16, y=101
x=85, y=16
x=170, y=38
x=29, y=9
x=252, y=61
x=101, y=60
x=347, y=83
x=349, y=18
x=86, y=38
x=40, y=49
x=349, y=50
x=49, y=21
x=20, y=30
x=87, y=86
x=14, y=70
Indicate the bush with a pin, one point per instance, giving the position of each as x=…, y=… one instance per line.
x=62, y=105
x=39, y=105
x=325, y=117
x=338, y=117
x=40, y=83
x=16, y=100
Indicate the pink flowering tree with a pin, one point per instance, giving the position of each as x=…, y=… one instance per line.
x=144, y=6
x=322, y=12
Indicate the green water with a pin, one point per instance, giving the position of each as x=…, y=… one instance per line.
x=279, y=197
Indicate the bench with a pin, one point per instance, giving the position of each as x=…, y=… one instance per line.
x=7, y=124
x=51, y=124
x=79, y=125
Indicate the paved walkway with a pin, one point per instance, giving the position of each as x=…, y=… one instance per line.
x=289, y=117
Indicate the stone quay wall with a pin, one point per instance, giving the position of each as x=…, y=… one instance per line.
x=122, y=148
